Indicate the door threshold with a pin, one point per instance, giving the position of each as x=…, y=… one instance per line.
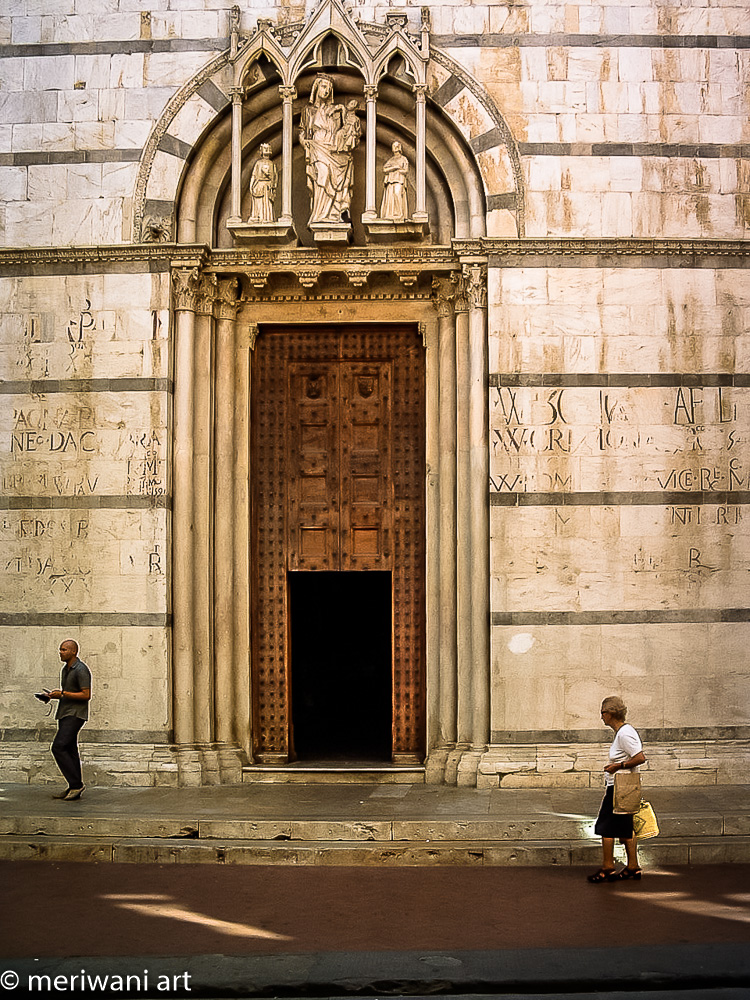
x=333, y=773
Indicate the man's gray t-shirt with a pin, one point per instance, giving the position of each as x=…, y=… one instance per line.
x=75, y=677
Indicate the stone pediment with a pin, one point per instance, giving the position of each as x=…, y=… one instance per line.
x=296, y=48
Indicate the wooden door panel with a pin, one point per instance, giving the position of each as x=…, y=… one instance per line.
x=366, y=501
x=313, y=468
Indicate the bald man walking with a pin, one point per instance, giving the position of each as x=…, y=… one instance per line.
x=74, y=695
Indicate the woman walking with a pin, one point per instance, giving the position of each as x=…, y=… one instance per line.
x=625, y=754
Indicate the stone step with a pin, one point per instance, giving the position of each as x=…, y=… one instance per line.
x=393, y=830
x=150, y=850
x=332, y=775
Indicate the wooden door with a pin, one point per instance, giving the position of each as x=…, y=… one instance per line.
x=338, y=485
x=339, y=466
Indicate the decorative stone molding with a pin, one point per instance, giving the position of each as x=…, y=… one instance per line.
x=175, y=104
x=258, y=279
x=157, y=229
x=308, y=276
x=475, y=277
x=227, y=298
x=206, y=296
x=444, y=296
x=186, y=289
x=357, y=278
x=432, y=260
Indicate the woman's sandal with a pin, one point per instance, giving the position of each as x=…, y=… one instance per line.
x=626, y=873
x=604, y=875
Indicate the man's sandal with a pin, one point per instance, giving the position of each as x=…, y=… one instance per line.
x=603, y=875
x=626, y=873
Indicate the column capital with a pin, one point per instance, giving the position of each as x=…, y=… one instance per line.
x=444, y=295
x=185, y=285
x=420, y=91
x=206, y=296
x=475, y=276
x=227, y=298
x=371, y=92
x=237, y=94
x=288, y=93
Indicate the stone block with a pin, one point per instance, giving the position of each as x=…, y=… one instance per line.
x=527, y=854
x=735, y=850
x=352, y=831
x=690, y=826
x=239, y=829
x=269, y=854
x=656, y=852
x=553, y=780
x=26, y=30
x=11, y=849
x=412, y=854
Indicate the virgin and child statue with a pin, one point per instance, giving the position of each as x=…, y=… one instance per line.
x=329, y=133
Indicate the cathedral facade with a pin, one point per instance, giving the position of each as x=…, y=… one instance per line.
x=375, y=386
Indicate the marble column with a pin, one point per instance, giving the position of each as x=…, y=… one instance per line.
x=185, y=284
x=203, y=713
x=245, y=337
x=288, y=94
x=223, y=644
x=371, y=211
x=235, y=214
x=465, y=564
x=476, y=281
x=444, y=289
x=420, y=213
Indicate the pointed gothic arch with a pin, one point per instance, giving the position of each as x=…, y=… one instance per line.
x=186, y=156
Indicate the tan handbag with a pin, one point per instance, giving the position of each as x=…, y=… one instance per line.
x=644, y=822
x=627, y=792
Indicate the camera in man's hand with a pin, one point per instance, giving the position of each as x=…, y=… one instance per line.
x=42, y=695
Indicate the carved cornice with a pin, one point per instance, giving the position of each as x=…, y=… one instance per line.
x=342, y=295
x=627, y=247
x=108, y=257
x=431, y=259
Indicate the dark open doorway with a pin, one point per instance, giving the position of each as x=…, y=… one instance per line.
x=341, y=664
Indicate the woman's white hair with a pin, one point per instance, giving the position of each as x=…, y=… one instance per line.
x=615, y=706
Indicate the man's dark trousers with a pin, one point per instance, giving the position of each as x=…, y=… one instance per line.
x=65, y=749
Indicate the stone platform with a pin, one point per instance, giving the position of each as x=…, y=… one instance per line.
x=360, y=824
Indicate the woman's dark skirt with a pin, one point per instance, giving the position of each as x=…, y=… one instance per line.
x=610, y=824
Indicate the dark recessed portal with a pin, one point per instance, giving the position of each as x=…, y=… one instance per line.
x=341, y=665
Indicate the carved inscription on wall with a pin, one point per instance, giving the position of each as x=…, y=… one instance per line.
x=84, y=444
x=111, y=326
x=83, y=560
x=684, y=439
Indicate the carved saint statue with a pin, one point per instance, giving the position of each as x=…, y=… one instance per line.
x=394, y=205
x=329, y=132
x=263, y=181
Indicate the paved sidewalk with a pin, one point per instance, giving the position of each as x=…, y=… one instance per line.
x=360, y=824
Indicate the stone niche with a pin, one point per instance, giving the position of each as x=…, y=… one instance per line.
x=336, y=160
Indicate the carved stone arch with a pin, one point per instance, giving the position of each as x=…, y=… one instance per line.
x=471, y=109
x=193, y=128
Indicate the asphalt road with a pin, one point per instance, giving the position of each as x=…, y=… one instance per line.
x=191, y=909
x=311, y=929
